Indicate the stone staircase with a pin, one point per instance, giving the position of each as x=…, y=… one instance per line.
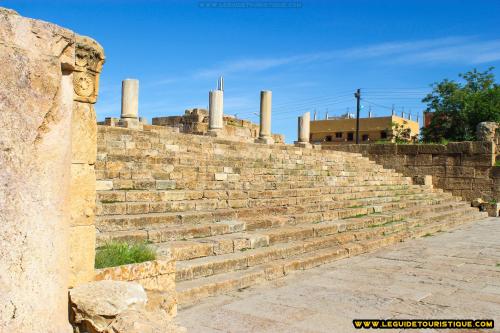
x=236, y=214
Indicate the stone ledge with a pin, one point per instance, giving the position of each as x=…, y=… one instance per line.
x=135, y=272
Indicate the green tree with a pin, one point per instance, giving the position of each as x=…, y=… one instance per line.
x=459, y=106
x=400, y=132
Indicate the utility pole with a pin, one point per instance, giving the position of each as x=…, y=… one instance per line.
x=357, y=94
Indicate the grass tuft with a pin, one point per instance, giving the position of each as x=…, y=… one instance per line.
x=121, y=253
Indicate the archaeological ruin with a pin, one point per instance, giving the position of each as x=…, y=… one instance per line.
x=224, y=203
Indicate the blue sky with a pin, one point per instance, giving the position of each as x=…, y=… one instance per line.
x=312, y=57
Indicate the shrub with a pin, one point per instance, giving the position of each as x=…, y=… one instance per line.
x=122, y=253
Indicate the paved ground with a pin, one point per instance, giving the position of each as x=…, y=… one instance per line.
x=447, y=275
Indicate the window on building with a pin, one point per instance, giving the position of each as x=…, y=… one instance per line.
x=328, y=138
x=365, y=137
x=338, y=135
x=350, y=136
x=383, y=135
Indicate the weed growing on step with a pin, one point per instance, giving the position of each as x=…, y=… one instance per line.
x=427, y=235
x=121, y=253
x=498, y=264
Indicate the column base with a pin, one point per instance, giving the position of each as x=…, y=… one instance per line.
x=265, y=140
x=132, y=123
x=303, y=144
x=215, y=132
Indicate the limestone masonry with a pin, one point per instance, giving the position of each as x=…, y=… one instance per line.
x=223, y=202
x=195, y=121
x=465, y=169
x=234, y=214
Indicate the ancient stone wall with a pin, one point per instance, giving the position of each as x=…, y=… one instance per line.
x=195, y=121
x=465, y=169
x=156, y=276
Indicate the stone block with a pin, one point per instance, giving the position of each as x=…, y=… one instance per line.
x=460, y=171
x=407, y=149
x=478, y=160
x=458, y=183
x=166, y=184
x=483, y=147
x=82, y=194
x=220, y=176
x=83, y=133
x=460, y=147
x=378, y=149
x=432, y=149
x=104, y=185
x=82, y=254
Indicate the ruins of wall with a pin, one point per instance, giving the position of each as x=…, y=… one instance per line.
x=465, y=169
x=195, y=121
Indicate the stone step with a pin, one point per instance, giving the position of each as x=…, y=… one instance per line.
x=241, y=241
x=195, y=179
x=212, y=200
x=212, y=265
x=116, y=196
x=191, y=291
x=157, y=220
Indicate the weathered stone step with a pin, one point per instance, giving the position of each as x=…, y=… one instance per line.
x=157, y=220
x=211, y=265
x=191, y=225
x=297, y=218
x=116, y=196
x=193, y=290
x=188, y=156
x=240, y=241
x=171, y=233
x=151, y=179
x=232, y=199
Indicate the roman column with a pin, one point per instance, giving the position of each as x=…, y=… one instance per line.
x=215, y=110
x=304, y=130
x=265, y=117
x=130, y=98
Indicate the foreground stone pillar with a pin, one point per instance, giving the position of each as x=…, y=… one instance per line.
x=265, y=135
x=304, y=130
x=215, y=111
x=36, y=98
x=130, y=98
x=88, y=65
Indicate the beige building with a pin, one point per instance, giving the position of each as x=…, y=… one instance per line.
x=343, y=130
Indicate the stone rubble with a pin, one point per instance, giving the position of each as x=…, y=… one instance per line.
x=116, y=307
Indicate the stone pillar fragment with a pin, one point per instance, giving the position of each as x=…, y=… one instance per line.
x=215, y=111
x=265, y=135
x=304, y=130
x=130, y=98
x=88, y=64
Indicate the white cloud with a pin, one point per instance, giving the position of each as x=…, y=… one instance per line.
x=458, y=49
